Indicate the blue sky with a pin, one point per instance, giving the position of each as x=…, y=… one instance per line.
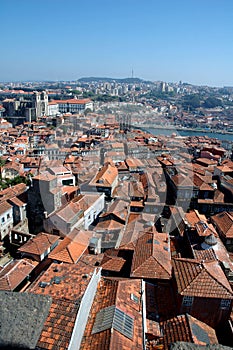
x=169, y=40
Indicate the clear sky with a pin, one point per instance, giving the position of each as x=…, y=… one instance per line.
x=169, y=40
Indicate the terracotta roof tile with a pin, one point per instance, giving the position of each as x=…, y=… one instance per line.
x=39, y=244
x=118, y=208
x=111, y=261
x=63, y=281
x=16, y=201
x=4, y=207
x=224, y=224
x=152, y=258
x=116, y=293
x=108, y=225
x=193, y=217
x=14, y=273
x=68, y=251
x=187, y=329
x=198, y=279
x=58, y=327
x=106, y=176
x=133, y=229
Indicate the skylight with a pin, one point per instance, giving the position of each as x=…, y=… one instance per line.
x=112, y=317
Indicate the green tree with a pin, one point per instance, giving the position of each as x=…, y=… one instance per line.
x=191, y=102
x=212, y=102
x=87, y=110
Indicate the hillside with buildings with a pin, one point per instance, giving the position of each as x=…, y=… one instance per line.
x=111, y=237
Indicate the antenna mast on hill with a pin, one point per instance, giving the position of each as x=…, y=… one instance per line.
x=132, y=73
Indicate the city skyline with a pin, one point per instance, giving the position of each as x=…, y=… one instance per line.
x=172, y=41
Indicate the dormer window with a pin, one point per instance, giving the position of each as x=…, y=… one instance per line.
x=225, y=303
x=187, y=301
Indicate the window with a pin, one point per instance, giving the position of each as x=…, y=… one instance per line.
x=8, y=216
x=187, y=301
x=225, y=304
x=134, y=298
x=3, y=220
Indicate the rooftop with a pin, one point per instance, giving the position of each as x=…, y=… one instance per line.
x=189, y=329
x=152, y=258
x=204, y=280
x=115, y=321
x=39, y=244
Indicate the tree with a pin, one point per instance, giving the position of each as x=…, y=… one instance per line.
x=76, y=92
x=87, y=110
x=191, y=102
x=212, y=102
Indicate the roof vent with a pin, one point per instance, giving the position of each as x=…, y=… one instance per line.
x=56, y=280
x=43, y=284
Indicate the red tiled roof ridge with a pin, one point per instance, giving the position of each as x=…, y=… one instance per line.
x=206, y=265
x=62, y=245
x=146, y=252
x=192, y=274
x=6, y=276
x=224, y=222
x=70, y=254
x=154, y=251
x=177, y=323
x=17, y=264
x=7, y=280
x=193, y=261
x=45, y=236
x=163, y=267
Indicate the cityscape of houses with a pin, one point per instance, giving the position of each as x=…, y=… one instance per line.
x=113, y=236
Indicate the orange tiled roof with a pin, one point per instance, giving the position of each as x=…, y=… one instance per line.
x=59, y=324
x=46, y=176
x=63, y=281
x=106, y=176
x=206, y=280
x=108, y=225
x=224, y=223
x=118, y=208
x=204, y=255
x=17, y=201
x=152, y=258
x=111, y=261
x=193, y=217
x=182, y=180
x=116, y=293
x=204, y=229
x=68, y=251
x=73, y=101
x=136, y=189
x=39, y=244
x=15, y=273
x=4, y=207
x=182, y=328
x=132, y=231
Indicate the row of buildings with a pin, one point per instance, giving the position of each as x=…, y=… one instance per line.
x=119, y=240
x=33, y=106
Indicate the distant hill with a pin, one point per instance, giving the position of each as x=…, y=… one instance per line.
x=111, y=80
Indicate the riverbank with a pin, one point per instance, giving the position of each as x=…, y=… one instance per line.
x=174, y=128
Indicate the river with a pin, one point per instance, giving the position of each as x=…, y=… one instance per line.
x=222, y=137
